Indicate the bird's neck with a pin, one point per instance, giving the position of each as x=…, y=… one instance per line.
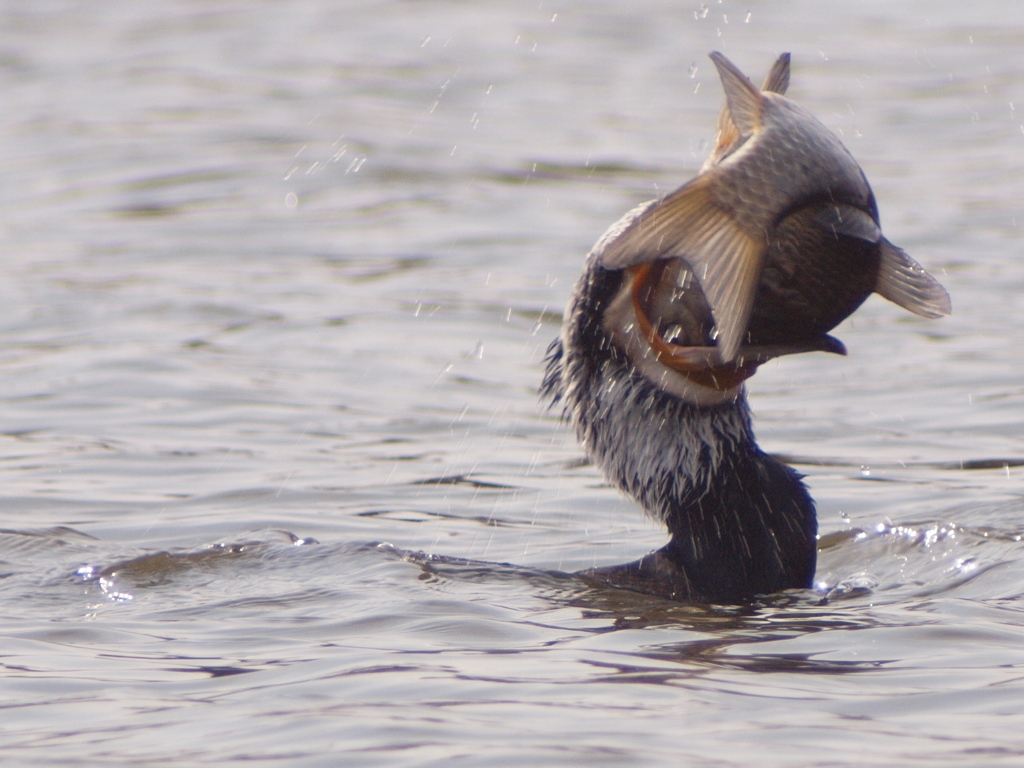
x=742, y=523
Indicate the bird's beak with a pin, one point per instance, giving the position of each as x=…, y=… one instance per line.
x=703, y=364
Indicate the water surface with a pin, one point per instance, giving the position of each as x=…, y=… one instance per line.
x=278, y=282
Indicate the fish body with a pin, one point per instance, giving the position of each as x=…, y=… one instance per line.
x=772, y=245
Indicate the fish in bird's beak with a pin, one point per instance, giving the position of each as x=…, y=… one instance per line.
x=772, y=245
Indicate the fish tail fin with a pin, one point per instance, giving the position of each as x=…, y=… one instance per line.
x=743, y=97
x=777, y=80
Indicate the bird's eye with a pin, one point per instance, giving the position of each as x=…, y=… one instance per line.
x=668, y=300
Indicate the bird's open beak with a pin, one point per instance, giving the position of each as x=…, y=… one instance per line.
x=703, y=364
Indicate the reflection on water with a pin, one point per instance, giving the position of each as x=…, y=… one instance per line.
x=277, y=285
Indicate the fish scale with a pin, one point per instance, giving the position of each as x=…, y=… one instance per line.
x=793, y=158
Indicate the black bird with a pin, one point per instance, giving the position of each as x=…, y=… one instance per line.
x=773, y=244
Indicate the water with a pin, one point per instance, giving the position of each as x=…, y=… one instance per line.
x=278, y=280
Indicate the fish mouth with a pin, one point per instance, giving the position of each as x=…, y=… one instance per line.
x=701, y=363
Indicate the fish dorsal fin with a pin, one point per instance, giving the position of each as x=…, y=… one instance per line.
x=778, y=79
x=725, y=260
x=744, y=99
x=903, y=281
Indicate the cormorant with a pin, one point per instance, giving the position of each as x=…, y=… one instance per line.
x=768, y=248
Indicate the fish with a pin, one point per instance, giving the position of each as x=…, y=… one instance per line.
x=775, y=242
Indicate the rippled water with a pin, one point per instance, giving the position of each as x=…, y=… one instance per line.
x=278, y=279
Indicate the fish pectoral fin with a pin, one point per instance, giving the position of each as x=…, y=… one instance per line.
x=728, y=269
x=777, y=80
x=743, y=97
x=724, y=258
x=903, y=281
x=846, y=220
x=615, y=232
